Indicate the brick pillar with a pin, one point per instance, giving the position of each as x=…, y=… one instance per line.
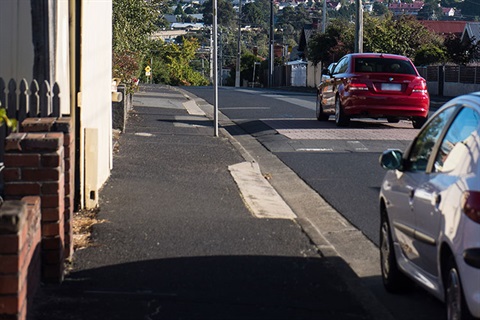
x=61, y=125
x=34, y=166
x=20, y=236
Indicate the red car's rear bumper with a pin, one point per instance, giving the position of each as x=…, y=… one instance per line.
x=386, y=106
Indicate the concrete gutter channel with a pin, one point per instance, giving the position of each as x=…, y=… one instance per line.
x=328, y=230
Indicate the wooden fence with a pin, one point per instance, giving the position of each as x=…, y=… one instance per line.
x=24, y=101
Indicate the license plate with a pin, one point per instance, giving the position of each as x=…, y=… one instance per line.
x=391, y=86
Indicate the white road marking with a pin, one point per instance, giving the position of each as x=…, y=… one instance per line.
x=143, y=134
x=314, y=149
x=357, y=145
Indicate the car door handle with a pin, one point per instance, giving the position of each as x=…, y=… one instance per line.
x=436, y=199
x=411, y=194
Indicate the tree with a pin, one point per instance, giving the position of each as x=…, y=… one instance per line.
x=179, y=10
x=133, y=22
x=404, y=35
x=431, y=10
x=429, y=54
x=330, y=46
x=296, y=17
x=470, y=9
x=379, y=8
x=460, y=52
x=226, y=16
x=257, y=14
x=173, y=63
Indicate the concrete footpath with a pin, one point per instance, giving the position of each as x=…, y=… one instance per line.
x=192, y=229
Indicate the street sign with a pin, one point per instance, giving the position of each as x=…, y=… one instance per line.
x=147, y=73
x=148, y=69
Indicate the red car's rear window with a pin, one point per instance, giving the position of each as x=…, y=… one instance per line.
x=383, y=65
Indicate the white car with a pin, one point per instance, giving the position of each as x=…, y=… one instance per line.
x=430, y=209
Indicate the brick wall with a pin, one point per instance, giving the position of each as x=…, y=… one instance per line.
x=34, y=165
x=20, y=236
x=64, y=126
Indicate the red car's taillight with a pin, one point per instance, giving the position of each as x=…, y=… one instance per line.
x=357, y=86
x=471, y=205
x=420, y=88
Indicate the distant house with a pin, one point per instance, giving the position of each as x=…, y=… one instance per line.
x=308, y=31
x=445, y=28
x=333, y=5
x=186, y=26
x=406, y=8
x=448, y=12
x=472, y=33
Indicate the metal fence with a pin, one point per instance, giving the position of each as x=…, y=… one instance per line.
x=451, y=80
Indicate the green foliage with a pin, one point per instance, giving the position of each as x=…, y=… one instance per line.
x=330, y=46
x=172, y=63
x=379, y=8
x=460, y=52
x=429, y=54
x=125, y=67
x=133, y=22
x=257, y=14
x=11, y=123
x=296, y=17
x=470, y=9
x=431, y=10
x=403, y=35
x=226, y=16
x=179, y=10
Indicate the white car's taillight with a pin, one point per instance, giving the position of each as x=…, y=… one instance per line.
x=471, y=205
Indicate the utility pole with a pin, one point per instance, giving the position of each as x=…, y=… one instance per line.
x=324, y=16
x=220, y=68
x=239, y=48
x=215, y=70
x=270, y=60
x=359, y=27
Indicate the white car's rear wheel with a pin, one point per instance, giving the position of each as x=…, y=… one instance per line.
x=455, y=301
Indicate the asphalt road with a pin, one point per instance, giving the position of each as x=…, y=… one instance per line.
x=340, y=164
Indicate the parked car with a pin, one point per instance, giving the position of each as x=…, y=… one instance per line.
x=373, y=85
x=430, y=209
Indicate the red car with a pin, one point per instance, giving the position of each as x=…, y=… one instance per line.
x=373, y=85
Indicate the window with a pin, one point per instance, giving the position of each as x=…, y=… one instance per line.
x=384, y=65
x=464, y=125
x=425, y=141
x=342, y=65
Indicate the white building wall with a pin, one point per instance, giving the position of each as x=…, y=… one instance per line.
x=95, y=87
x=313, y=74
x=16, y=47
x=62, y=57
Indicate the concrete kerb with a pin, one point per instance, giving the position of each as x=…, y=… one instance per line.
x=328, y=230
